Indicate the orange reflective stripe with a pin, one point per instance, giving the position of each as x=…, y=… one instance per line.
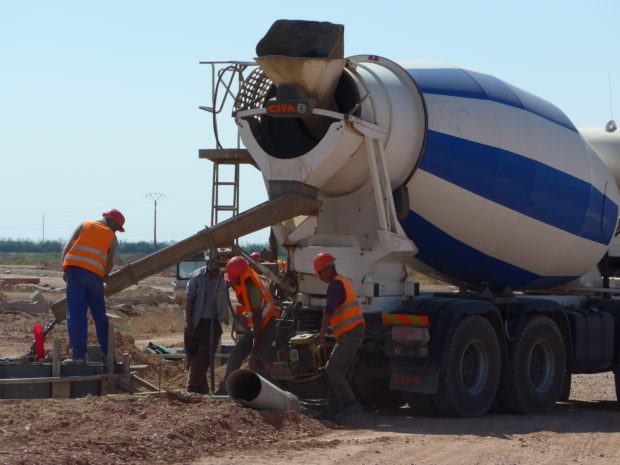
x=90, y=249
x=400, y=319
x=348, y=314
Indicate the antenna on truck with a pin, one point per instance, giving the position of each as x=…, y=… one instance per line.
x=611, y=124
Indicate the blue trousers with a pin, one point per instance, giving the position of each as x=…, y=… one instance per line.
x=85, y=289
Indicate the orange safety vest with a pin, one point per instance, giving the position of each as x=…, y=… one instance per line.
x=90, y=249
x=267, y=305
x=348, y=314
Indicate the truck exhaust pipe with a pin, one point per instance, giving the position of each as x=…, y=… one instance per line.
x=252, y=390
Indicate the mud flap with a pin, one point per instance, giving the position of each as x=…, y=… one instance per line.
x=413, y=375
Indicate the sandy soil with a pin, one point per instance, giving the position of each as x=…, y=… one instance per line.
x=180, y=429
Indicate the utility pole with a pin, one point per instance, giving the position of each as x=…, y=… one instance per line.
x=155, y=196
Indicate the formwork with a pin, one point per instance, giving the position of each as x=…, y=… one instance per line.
x=28, y=378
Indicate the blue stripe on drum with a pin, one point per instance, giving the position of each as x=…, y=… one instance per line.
x=461, y=262
x=522, y=184
x=471, y=84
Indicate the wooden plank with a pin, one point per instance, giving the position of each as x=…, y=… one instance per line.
x=21, y=280
x=110, y=354
x=144, y=383
x=138, y=367
x=170, y=356
x=56, y=359
x=219, y=357
x=61, y=390
x=57, y=379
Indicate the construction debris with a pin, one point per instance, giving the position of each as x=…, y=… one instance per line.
x=38, y=304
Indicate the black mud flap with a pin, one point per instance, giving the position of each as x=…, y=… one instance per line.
x=413, y=375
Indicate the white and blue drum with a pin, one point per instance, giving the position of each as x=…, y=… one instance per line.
x=506, y=192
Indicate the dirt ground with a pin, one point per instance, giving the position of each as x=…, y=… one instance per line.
x=176, y=428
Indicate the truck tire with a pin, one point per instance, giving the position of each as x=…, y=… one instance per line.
x=533, y=379
x=468, y=385
x=376, y=392
x=566, y=386
x=421, y=404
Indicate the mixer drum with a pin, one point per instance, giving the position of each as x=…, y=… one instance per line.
x=507, y=192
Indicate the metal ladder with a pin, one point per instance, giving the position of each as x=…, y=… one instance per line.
x=218, y=184
x=228, y=86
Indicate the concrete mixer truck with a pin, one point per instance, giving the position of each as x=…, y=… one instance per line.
x=450, y=172
x=421, y=166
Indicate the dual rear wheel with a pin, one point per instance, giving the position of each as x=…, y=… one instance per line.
x=530, y=382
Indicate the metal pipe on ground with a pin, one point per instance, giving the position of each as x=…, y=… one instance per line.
x=220, y=235
x=252, y=390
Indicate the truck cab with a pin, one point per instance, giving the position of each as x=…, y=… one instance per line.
x=185, y=269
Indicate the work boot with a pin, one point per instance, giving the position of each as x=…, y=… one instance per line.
x=350, y=408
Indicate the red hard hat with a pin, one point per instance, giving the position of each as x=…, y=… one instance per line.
x=322, y=260
x=255, y=256
x=235, y=267
x=116, y=216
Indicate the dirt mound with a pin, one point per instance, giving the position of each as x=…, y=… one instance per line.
x=167, y=375
x=138, y=291
x=151, y=430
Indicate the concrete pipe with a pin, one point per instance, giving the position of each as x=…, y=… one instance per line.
x=252, y=390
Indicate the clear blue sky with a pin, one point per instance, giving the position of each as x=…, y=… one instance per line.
x=99, y=100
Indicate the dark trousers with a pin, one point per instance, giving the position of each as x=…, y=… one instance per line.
x=243, y=348
x=199, y=349
x=340, y=366
x=84, y=291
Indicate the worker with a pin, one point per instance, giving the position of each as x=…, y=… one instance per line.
x=206, y=308
x=256, y=309
x=87, y=259
x=342, y=313
x=256, y=257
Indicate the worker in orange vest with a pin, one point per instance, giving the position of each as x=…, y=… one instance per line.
x=257, y=310
x=87, y=259
x=342, y=313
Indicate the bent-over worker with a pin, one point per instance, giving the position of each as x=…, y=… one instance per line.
x=87, y=259
x=206, y=309
x=343, y=314
x=257, y=309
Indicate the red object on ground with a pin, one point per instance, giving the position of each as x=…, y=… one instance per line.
x=39, y=338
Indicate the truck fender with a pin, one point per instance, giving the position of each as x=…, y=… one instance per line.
x=454, y=310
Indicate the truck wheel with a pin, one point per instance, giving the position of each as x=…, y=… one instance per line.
x=533, y=380
x=468, y=385
x=421, y=404
x=376, y=391
x=565, y=392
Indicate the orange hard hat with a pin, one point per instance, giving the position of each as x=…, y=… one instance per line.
x=322, y=260
x=235, y=267
x=255, y=256
x=116, y=216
